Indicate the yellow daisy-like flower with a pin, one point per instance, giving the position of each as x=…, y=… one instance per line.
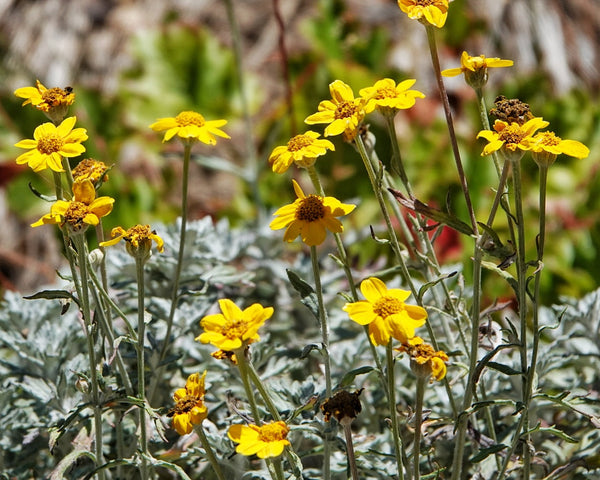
x=51, y=143
x=189, y=407
x=54, y=102
x=475, y=68
x=310, y=217
x=512, y=138
x=302, y=150
x=90, y=169
x=424, y=360
x=343, y=112
x=190, y=126
x=138, y=239
x=385, y=312
x=386, y=96
x=234, y=329
x=432, y=12
x=85, y=209
x=546, y=146
x=266, y=441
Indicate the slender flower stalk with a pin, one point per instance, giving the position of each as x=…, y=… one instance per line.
x=210, y=454
x=398, y=444
x=444, y=97
x=418, y=425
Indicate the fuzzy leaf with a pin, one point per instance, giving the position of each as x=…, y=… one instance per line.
x=486, y=452
x=307, y=294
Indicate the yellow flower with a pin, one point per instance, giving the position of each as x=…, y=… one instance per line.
x=54, y=102
x=189, y=407
x=433, y=12
x=233, y=329
x=546, y=146
x=302, y=150
x=386, y=96
x=310, y=217
x=512, y=138
x=85, y=209
x=425, y=361
x=90, y=169
x=190, y=126
x=138, y=239
x=51, y=143
x=266, y=441
x=385, y=312
x=475, y=68
x=343, y=112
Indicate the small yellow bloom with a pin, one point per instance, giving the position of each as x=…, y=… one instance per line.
x=310, y=217
x=234, y=329
x=138, y=238
x=475, y=68
x=425, y=361
x=266, y=441
x=51, y=143
x=432, y=12
x=343, y=112
x=385, y=95
x=512, y=138
x=90, y=169
x=189, y=407
x=190, y=126
x=302, y=150
x=54, y=102
x=546, y=146
x=385, y=312
x=85, y=209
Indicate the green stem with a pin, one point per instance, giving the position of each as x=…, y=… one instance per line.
x=347, y=426
x=187, y=150
x=139, y=268
x=444, y=96
x=79, y=240
x=462, y=421
x=485, y=122
x=210, y=455
x=397, y=163
x=398, y=446
x=242, y=361
x=325, y=352
x=263, y=391
x=418, y=423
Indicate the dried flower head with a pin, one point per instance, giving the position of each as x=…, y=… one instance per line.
x=344, y=406
x=310, y=217
x=511, y=110
x=90, y=169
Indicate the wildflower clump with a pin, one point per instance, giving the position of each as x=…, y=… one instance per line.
x=310, y=217
x=265, y=441
x=50, y=144
x=189, y=407
x=385, y=312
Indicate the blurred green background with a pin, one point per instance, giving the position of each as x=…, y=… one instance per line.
x=131, y=63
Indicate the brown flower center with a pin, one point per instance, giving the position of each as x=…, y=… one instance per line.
x=186, y=404
x=50, y=144
x=426, y=3
x=137, y=234
x=299, y=142
x=310, y=209
x=548, y=139
x=345, y=110
x=89, y=169
x=386, y=306
x=512, y=136
x=57, y=96
x=234, y=328
x=185, y=119
x=75, y=214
